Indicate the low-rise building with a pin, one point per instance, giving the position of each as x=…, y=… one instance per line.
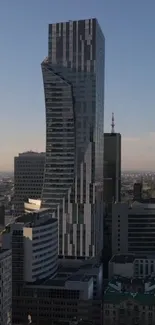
x=132, y=266
x=129, y=301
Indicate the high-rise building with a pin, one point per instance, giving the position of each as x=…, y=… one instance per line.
x=137, y=191
x=2, y=215
x=112, y=166
x=73, y=76
x=28, y=178
x=112, y=185
x=133, y=228
x=5, y=287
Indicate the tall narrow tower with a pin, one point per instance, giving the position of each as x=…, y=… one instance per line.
x=73, y=74
x=112, y=161
x=112, y=124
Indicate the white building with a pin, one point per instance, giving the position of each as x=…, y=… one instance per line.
x=35, y=235
x=5, y=287
x=32, y=205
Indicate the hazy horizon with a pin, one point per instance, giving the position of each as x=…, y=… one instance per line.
x=129, y=75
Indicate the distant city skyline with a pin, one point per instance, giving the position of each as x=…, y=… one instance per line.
x=129, y=74
x=139, y=146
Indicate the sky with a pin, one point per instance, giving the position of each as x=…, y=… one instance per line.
x=129, y=29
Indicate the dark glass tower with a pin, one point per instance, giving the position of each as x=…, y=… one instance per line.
x=73, y=75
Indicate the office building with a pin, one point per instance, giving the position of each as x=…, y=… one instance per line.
x=112, y=166
x=73, y=76
x=28, y=178
x=5, y=287
x=129, y=301
x=137, y=191
x=34, y=240
x=2, y=215
x=133, y=228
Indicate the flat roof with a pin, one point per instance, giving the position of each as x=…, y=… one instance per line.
x=31, y=217
x=117, y=298
x=129, y=258
x=4, y=252
x=122, y=259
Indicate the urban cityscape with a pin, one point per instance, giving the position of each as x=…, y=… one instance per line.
x=77, y=230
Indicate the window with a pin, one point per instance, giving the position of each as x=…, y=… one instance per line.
x=106, y=312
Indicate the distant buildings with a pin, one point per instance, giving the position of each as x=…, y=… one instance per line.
x=137, y=191
x=73, y=75
x=28, y=178
x=5, y=287
x=2, y=215
x=133, y=228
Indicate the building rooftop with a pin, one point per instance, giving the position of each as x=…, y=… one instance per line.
x=70, y=273
x=122, y=259
x=4, y=253
x=32, y=217
x=116, y=298
x=129, y=258
x=79, y=277
x=120, y=289
x=31, y=153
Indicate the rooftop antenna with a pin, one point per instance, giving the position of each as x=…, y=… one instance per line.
x=112, y=124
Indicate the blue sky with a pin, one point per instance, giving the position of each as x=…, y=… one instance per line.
x=129, y=29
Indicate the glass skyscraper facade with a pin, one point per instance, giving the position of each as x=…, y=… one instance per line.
x=73, y=76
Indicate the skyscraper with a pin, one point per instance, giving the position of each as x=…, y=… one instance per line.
x=112, y=166
x=73, y=76
x=112, y=185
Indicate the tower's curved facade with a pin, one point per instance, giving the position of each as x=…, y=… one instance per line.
x=73, y=76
